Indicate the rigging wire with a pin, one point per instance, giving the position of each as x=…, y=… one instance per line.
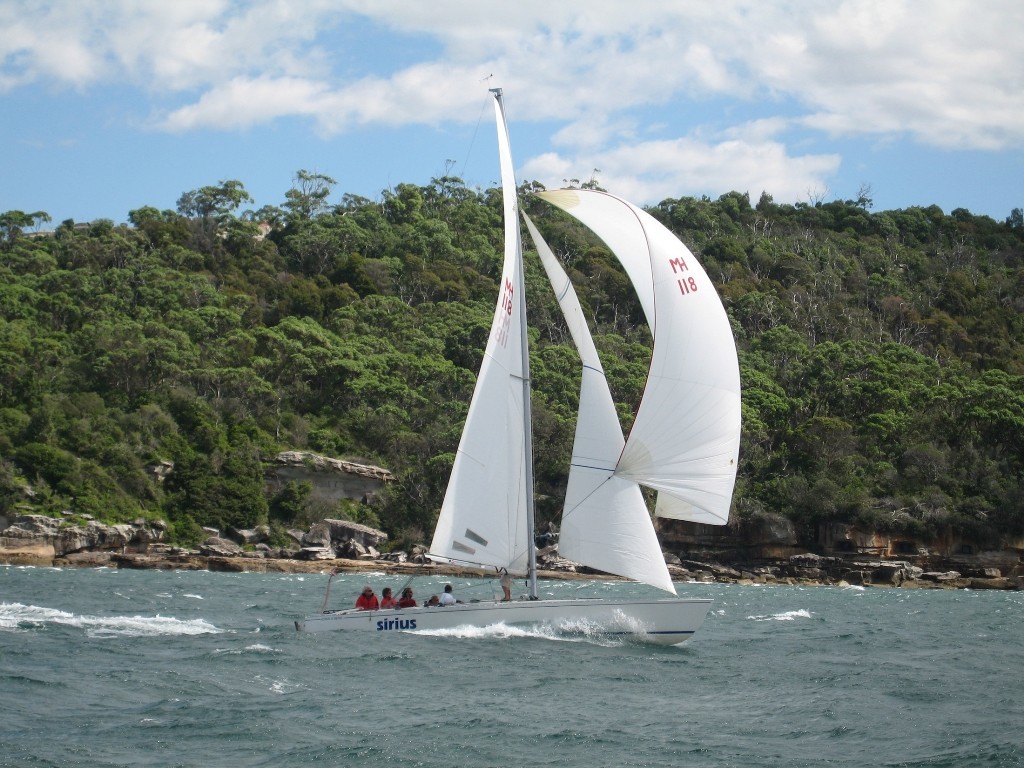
x=476, y=130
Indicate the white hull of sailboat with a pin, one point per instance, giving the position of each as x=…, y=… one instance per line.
x=665, y=622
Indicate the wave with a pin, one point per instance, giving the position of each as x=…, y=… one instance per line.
x=15, y=616
x=279, y=686
x=786, y=616
x=254, y=648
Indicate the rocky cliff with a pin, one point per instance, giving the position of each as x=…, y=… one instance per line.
x=771, y=538
x=34, y=539
x=331, y=479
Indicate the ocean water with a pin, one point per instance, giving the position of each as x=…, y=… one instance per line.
x=104, y=667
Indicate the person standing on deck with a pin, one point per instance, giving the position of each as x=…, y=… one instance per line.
x=506, y=585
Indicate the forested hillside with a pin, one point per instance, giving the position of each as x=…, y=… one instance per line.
x=881, y=354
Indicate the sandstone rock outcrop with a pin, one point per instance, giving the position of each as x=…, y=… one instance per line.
x=218, y=547
x=33, y=536
x=331, y=479
x=341, y=544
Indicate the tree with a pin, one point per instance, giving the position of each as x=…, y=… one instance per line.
x=13, y=223
x=864, y=197
x=213, y=203
x=308, y=195
x=209, y=209
x=289, y=503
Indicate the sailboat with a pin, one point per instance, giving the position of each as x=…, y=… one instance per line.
x=683, y=444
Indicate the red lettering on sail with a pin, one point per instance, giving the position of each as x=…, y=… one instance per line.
x=678, y=265
x=506, y=298
x=501, y=331
x=687, y=285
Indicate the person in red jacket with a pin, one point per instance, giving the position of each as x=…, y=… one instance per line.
x=407, y=600
x=386, y=600
x=367, y=601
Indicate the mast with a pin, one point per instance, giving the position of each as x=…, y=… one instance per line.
x=509, y=188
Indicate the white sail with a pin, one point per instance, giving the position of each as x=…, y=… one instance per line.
x=670, y=507
x=484, y=518
x=605, y=522
x=685, y=438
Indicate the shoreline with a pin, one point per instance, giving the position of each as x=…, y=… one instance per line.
x=726, y=574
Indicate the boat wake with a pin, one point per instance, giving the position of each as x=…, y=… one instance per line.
x=566, y=632
x=18, y=617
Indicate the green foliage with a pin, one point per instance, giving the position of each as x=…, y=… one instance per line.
x=213, y=202
x=186, y=532
x=14, y=223
x=289, y=503
x=881, y=354
x=349, y=509
x=309, y=195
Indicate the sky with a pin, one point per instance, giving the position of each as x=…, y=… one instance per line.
x=111, y=105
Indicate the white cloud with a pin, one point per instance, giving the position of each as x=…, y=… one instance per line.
x=948, y=74
x=243, y=102
x=650, y=171
x=423, y=94
x=158, y=46
x=35, y=44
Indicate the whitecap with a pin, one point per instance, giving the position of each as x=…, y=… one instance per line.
x=803, y=613
x=278, y=686
x=254, y=648
x=262, y=648
x=16, y=615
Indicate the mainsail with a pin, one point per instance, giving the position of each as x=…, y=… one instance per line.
x=486, y=518
x=684, y=441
